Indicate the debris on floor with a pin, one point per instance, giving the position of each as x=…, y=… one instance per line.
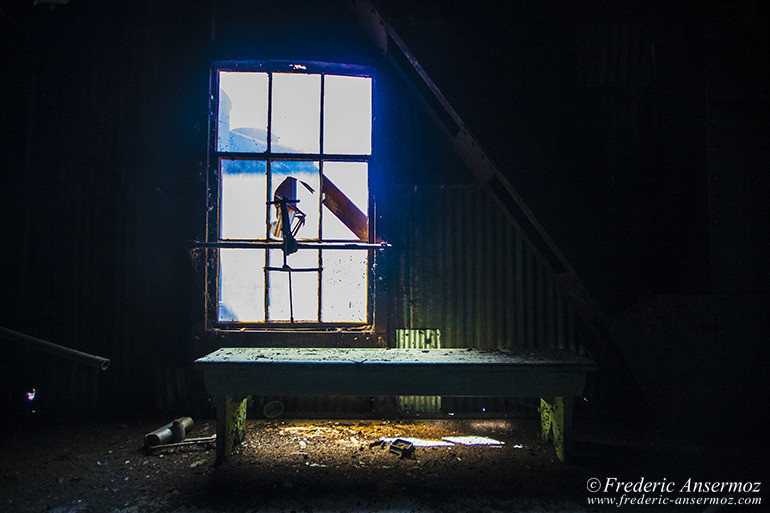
x=174, y=431
x=402, y=448
x=418, y=442
x=174, y=435
x=102, y=467
x=206, y=441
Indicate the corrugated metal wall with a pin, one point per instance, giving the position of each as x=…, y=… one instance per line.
x=419, y=339
x=464, y=270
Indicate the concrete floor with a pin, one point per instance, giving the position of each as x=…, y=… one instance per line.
x=332, y=466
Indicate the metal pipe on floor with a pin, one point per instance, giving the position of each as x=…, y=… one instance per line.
x=174, y=431
x=58, y=350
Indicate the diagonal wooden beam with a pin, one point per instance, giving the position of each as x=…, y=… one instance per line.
x=604, y=349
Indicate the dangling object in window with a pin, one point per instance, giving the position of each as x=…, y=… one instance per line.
x=285, y=201
x=287, y=212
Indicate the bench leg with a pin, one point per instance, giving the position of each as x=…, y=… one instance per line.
x=231, y=423
x=557, y=417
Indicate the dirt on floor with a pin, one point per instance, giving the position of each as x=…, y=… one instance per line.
x=335, y=465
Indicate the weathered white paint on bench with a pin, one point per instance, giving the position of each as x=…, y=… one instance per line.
x=233, y=374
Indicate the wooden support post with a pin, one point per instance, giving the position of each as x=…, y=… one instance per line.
x=231, y=423
x=554, y=418
x=568, y=407
x=545, y=419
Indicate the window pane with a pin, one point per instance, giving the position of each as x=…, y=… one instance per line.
x=296, y=115
x=346, y=201
x=347, y=115
x=306, y=185
x=304, y=287
x=242, y=122
x=241, y=285
x=343, y=287
x=243, y=201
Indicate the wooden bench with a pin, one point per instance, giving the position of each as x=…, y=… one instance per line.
x=233, y=374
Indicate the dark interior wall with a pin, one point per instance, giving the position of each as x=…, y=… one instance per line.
x=633, y=130
x=105, y=181
x=105, y=194
x=738, y=146
x=604, y=115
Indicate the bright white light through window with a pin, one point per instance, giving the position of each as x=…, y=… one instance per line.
x=241, y=285
x=242, y=214
x=327, y=286
x=344, y=286
x=242, y=117
x=296, y=113
x=348, y=115
x=304, y=287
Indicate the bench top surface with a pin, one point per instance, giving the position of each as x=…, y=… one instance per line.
x=258, y=356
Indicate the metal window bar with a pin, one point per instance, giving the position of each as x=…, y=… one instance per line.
x=320, y=198
x=268, y=188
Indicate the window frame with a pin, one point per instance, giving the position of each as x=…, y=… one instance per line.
x=214, y=181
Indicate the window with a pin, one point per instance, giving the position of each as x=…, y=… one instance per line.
x=289, y=198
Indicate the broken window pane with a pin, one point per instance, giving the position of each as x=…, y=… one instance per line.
x=243, y=197
x=242, y=117
x=304, y=181
x=346, y=201
x=241, y=285
x=296, y=114
x=304, y=286
x=344, y=290
x=347, y=115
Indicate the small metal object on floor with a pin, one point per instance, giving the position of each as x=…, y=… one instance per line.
x=185, y=443
x=174, y=435
x=174, y=431
x=402, y=448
